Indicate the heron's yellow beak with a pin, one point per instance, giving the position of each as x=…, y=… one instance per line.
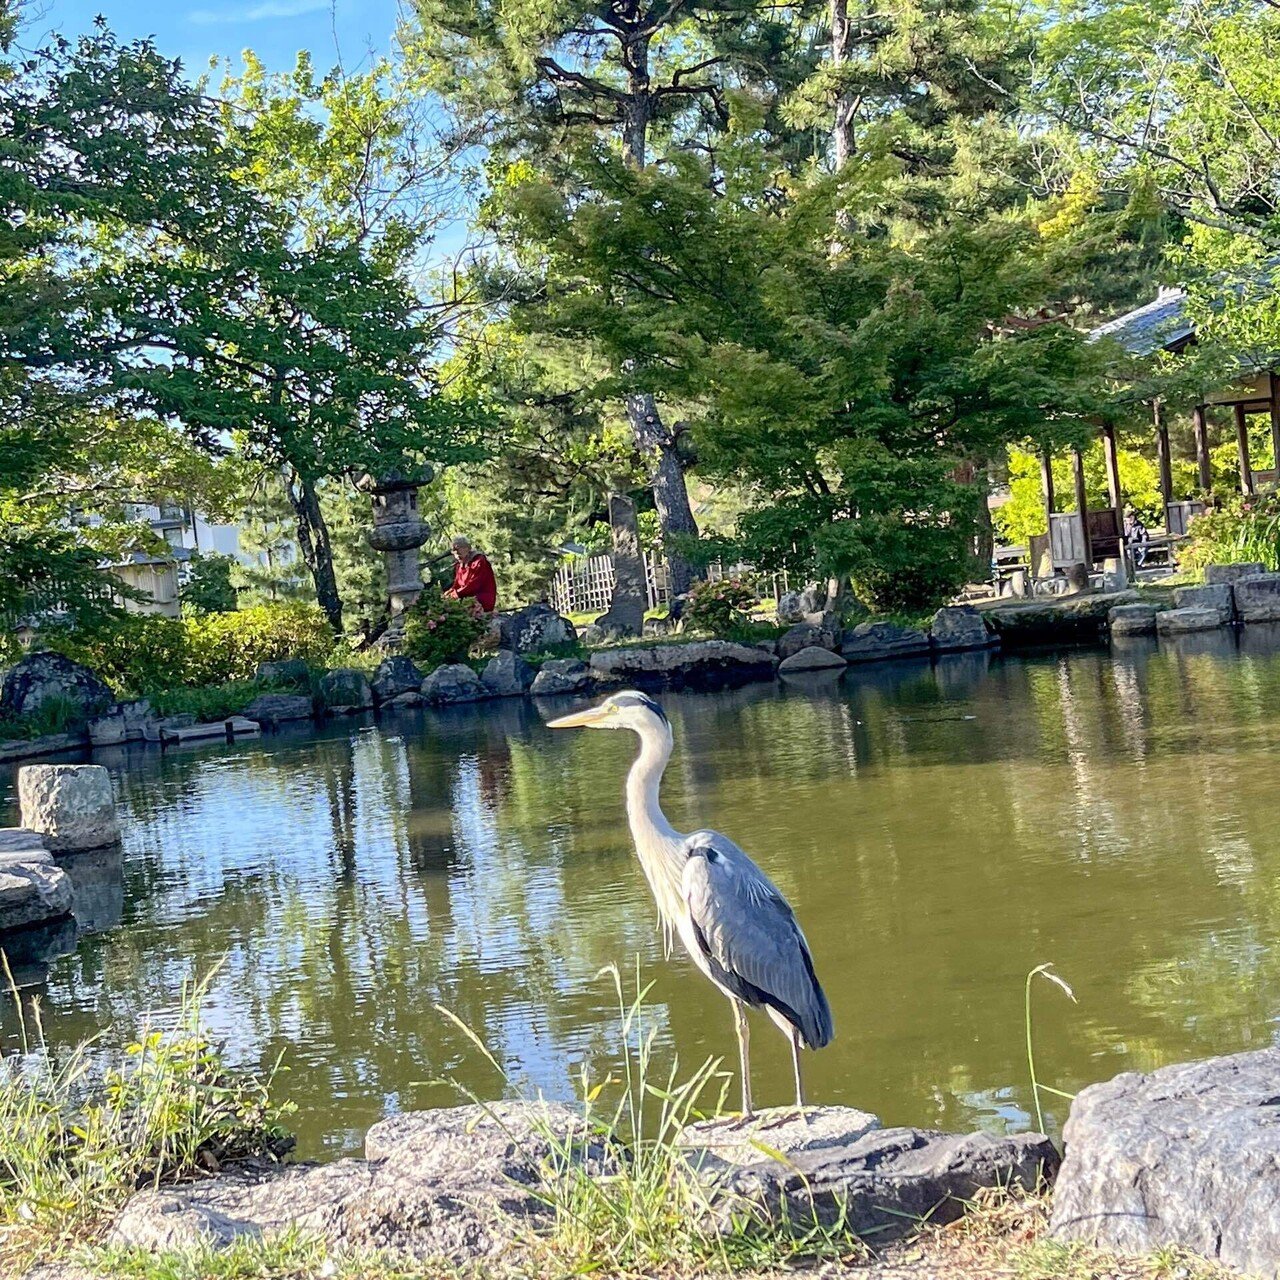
x=579, y=719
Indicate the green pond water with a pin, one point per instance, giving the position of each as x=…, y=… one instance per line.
x=940, y=830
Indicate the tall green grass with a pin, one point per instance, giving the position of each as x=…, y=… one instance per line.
x=653, y=1206
x=80, y=1131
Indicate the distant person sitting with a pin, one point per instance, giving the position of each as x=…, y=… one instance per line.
x=1137, y=537
x=472, y=577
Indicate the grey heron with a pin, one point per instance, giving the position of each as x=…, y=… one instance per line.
x=734, y=922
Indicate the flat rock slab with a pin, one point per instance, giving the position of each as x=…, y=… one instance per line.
x=812, y=658
x=960, y=626
x=1258, y=597
x=20, y=840
x=874, y=641
x=456, y=1184
x=1188, y=1155
x=731, y=1142
x=886, y=1182
x=681, y=663
x=1217, y=596
x=279, y=708
x=1232, y=573
x=32, y=892
x=1181, y=622
x=1132, y=620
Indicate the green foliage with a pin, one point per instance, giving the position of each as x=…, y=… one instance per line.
x=77, y=1137
x=719, y=608
x=144, y=653
x=53, y=715
x=439, y=629
x=206, y=703
x=210, y=589
x=1243, y=529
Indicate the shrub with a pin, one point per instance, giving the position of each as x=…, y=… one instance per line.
x=229, y=646
x=911, y=568
x=77, y=1139
x=1242, y=529
x=439, y=629
x=142, y=653
x=719, y=607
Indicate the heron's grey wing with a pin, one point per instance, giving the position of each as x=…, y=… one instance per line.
x=749, y=936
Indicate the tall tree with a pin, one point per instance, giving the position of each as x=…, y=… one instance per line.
x=555, y=81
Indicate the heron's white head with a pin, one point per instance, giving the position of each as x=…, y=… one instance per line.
x=627, y=710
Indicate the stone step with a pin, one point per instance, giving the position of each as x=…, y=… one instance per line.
x=232, y=727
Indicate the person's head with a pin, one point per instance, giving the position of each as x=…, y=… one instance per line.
x=461, y=549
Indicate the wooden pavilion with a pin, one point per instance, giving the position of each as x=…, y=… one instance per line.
x=1161, y=325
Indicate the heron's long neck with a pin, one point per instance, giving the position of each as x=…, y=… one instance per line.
x=658, y=843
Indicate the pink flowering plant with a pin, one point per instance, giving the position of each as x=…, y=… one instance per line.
x=1241, y=530
x=439, y=629
x=719, y=607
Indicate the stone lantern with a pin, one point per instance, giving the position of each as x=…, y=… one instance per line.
x=398, y=531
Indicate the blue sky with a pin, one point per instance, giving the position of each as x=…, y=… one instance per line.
x=195, y=30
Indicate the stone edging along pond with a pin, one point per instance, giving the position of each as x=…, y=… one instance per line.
x=1232, y=594
x=816, y=645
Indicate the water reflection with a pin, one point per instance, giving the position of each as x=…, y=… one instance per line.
x=941, y=829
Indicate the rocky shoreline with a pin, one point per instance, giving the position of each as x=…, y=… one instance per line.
x=1182, y=1159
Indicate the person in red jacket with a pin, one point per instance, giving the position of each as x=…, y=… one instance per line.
x=472, y=576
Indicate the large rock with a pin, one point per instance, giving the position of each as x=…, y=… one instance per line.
x=535, y=629
x=562, y=675
x=289, y=672
x=458, y=1184
x=1179, y=622
x=454, y=682
x=1187, y=1155
x=804, y=635
x=395, y=676
x=883, y=1183
x=277, y=708
x=345, y=689
x=872, y=641
x=1217, y=596
x=32, y=890
x=70, y=805
x=958, y=627
x=1132, y=620
x=813, y=599
x=789, y=610
x=1055, y=620
x=1232, y=573
x=1258, y=597
x=508, y=675
x=702, y=660
x=811, y=659
x=49, y=677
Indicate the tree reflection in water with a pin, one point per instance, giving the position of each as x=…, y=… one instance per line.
x=941, y=829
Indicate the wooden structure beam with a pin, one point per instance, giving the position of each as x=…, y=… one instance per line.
x=1274, y=410
x=1082, y=501
x=1046, y=482
x=1111, y=459
x=1200, y=423
x=1242, y=448
x=1163, y=457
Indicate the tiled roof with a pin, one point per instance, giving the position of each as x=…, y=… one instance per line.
x=1162, y=323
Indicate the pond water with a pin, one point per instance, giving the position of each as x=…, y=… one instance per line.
x=939, y=829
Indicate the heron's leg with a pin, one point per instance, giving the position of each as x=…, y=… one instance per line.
x=795, y=1062
x=744, y=1055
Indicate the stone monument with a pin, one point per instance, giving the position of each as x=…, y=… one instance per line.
x=398, y=532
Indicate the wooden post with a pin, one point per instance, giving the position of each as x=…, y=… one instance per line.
x=1202, y=447
x=1163, y=456
x=1082, y=502
x=1112, y=462
x=1242, y=448
x=1046, y=482
x=1274, y=383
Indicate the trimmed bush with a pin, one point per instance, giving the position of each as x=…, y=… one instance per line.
x=439, y=630
x=143, y=653
x=719, y=607
x=1242, y=530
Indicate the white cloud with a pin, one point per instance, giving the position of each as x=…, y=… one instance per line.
x=259, y=12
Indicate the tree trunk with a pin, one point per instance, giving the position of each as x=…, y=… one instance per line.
x=655, y=442
x=842, y=138
x=670, y=493
x=313, y=543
